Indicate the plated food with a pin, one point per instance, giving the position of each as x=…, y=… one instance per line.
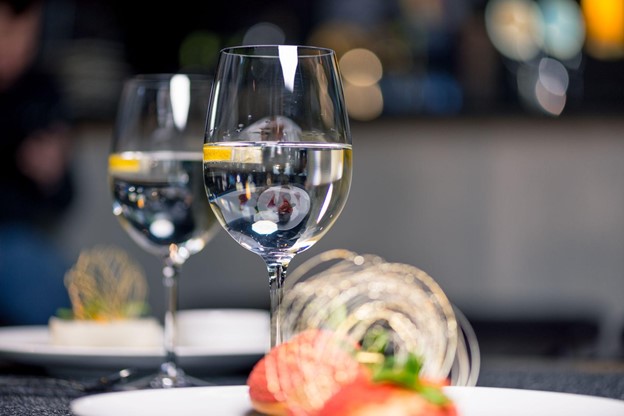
x=136, y=333
x=364, y=337
x=107, y=290
x=318, y=373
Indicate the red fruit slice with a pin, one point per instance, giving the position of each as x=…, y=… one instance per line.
x=297, y=377
x=364, y=398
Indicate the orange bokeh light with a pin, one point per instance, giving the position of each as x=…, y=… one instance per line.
x=605, y=27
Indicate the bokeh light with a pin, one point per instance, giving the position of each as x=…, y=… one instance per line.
x=564, y=28
x=515, y=28
x=361, y=71
x=361, y=67
x=545, y=40
x=364, y=103
x=552, y=86
x=605, y=28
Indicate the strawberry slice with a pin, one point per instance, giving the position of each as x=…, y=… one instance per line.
x=367, y=398
x=298, y=376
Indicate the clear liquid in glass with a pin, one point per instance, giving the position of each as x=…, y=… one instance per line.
x=159, y=199
x=277, y=198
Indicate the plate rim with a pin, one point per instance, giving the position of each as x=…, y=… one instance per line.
x=29, y=344
x=77, y=405
x=94, y=400
x=83, y=351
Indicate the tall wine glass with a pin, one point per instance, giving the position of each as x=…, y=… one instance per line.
x=155, y=176
x=277, y=153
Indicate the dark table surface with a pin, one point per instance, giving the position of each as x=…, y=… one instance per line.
x=30, y=391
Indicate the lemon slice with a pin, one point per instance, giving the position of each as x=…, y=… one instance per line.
x=217, y=154
x=118, y=163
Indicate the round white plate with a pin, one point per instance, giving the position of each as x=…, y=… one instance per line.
x=211, y=340
x=234, y=401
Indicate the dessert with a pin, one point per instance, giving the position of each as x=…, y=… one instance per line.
x=317, y=373
x=364, y=338
x=136, y=332
x=107, y=290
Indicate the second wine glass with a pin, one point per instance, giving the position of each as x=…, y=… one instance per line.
x=155, y=174
x=277, y=153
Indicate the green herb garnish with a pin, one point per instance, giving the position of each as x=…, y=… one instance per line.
x=402, y=371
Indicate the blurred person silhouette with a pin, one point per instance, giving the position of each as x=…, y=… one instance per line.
x=35, y=180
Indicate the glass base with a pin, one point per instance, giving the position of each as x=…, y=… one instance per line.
x=169, y=376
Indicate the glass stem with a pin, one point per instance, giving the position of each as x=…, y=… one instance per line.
x=277, y=276
x=171, y=272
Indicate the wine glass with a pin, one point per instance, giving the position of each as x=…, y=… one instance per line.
x=277, y=153
x=155, y=176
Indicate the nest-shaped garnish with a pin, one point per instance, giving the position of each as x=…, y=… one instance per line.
x=106, y=284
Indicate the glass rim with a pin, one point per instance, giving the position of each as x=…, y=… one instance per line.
x=272, y=51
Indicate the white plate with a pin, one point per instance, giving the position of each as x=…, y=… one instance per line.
x=234, y=401
x=243, y=337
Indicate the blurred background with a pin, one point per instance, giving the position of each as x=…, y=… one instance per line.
x=488, y=140
x=399, y=57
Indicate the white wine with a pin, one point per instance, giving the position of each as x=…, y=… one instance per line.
x=159, y=199
x=277, y=197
